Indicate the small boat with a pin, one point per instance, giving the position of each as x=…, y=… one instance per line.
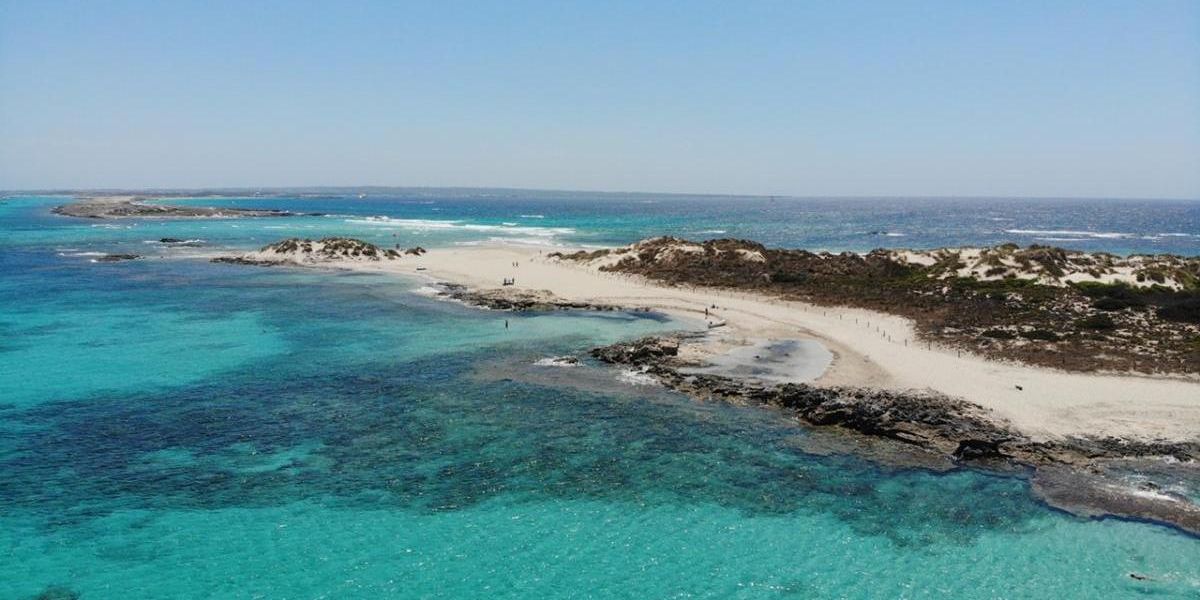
x=713, y=324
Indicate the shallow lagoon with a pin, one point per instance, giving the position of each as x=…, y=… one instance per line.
x=172, y=428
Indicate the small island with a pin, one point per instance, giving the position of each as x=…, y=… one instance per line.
x=120, y=207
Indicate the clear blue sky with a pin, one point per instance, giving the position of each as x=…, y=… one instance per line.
x=1009, y=98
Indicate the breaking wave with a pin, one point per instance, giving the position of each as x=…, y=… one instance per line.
x=440, y=225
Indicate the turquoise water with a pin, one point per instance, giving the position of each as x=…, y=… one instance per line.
x=171, y=428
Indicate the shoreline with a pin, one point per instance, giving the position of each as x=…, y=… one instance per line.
x=1081, y=439
x=869, y=349
x=1050, y=404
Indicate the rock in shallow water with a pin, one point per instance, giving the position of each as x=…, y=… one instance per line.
x=116, y=257
x=58, y=592
x=1066, y=469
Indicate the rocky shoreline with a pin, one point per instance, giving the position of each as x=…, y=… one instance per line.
x=1074, y=474
x=514, y=299
x=1078, y=475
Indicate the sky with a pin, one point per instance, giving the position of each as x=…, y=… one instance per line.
x=959, y=98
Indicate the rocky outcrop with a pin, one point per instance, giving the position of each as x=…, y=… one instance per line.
x=1067, y=470
x=116, y=258
x=305, y=252
x=649, y=350
x=177, y=242
x=931, y=420
x=514, y=299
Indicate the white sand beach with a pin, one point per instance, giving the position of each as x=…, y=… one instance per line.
x=870, y=349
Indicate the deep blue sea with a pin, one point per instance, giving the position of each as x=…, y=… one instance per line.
x=172, y=428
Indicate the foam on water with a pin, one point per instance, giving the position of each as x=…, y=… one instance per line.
x=434, y=225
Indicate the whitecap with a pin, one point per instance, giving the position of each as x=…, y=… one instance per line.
x=1108, y=235
x=636, y=378
x=557, y=361
x=450, y=225
x=712, y=231
x=532, y=216
x=1152, y=495
x=426, y=290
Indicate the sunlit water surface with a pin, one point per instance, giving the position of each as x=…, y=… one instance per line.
x=171, y=428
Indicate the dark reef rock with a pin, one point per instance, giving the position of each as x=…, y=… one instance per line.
x=294, y=251
x=58, y=592
x=1093, y=493
x=241, y=260
x=1068, y=471
x=117, y=257
x=968, y=450
x=638, y=352
x=177, y=241
x=512, y=299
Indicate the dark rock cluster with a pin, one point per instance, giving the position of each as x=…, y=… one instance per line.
x=117, y=257
x=516, y=300
x=330, y=249
x=1068, y=470
x=58, y=592
x=933, y=421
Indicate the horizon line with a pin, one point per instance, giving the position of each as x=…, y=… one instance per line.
x=54, y=191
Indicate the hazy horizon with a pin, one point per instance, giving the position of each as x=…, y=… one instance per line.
x=391, y=189
x=920, y=99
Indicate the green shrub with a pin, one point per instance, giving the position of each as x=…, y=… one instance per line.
x=1041, y=334
x=1097, y=322
x=999, y=334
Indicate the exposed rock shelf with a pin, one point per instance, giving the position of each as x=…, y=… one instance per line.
x=1067, y=469
x=515, y=299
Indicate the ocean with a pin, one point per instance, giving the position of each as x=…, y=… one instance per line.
x=173, y=428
